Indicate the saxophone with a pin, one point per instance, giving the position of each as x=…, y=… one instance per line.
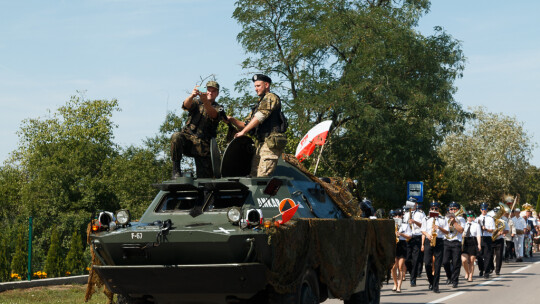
x=433, y=234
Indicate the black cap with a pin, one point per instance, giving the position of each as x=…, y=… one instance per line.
x=484, y=206
x=261, y=77
x=398, y=212
x=435, y=204
x=454, y=205
x=412, y=199
x=469, y=213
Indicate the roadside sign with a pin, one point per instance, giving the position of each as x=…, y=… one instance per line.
x=416, y=190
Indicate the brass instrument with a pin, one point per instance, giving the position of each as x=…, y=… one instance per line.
x=398, y=222
x=499, y=224
x=433, y=234
x=453, y=232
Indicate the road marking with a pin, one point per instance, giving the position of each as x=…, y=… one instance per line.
x=490, y=281
x=521, y=269
x=447, y=297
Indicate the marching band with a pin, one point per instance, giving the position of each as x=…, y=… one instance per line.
x=460, y=239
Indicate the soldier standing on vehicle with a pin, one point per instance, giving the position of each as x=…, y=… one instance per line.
x=201, y=127
x=269, y=126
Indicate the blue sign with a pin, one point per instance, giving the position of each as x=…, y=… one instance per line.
x=416, y=190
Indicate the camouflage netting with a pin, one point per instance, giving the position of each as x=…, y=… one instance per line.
x=338, y=249
x=94, y=281
x=337, y=189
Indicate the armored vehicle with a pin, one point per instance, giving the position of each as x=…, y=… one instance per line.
x=288, y=238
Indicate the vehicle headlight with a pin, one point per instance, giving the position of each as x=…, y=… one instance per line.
x=254, y=217
x=234, y=215
x=123, y=217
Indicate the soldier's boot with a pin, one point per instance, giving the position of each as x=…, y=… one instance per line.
x=176, y=171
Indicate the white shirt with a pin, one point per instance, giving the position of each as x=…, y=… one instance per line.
x=417, y=216
x=405, y=229
x=519, y=223
x=488, y=222
x=474, y=227
x=459, y=236
x=427, y=225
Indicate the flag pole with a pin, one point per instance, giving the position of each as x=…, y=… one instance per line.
x=318, y=158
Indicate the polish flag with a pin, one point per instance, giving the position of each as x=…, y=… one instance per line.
x=314, y=137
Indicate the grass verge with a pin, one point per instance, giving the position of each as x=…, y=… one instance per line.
x=51, y=294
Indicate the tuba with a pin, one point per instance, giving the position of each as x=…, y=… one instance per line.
x=499, y=224
x=453, y=232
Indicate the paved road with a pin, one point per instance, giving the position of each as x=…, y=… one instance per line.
x=519, y=282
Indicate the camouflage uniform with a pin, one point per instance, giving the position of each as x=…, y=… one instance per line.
x=194, y=139
x=270, y=140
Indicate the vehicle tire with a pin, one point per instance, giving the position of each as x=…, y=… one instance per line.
x=371, y=294
x=309, y=291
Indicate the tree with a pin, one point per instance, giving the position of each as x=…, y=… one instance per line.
x=75, y=257
x=362, y=64
x=62, y=159
x=54, y=263
x=488, y=158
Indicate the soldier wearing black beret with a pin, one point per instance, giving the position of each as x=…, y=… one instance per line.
x=269, y=126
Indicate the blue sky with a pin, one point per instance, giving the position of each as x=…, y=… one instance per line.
x=150, y=54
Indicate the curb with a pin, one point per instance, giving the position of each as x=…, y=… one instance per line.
x=82, y=279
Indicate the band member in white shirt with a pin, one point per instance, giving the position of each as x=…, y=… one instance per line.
x=519, y=225
x=472, y=239
x=414, y=255
x=452, y=245
x=403, y=234
x=434, y=226
x=487, y=224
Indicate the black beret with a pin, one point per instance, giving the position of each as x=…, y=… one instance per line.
x=261, y=77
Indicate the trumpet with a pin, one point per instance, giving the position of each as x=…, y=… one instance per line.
x=453, y=232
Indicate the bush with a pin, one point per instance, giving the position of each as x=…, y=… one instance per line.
x=53, y=264
x=19, y=263
x=75, y=257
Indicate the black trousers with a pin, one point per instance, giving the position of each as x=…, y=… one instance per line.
x=484, y=256
x=452, y=260
x=413, y=255
x=429, y=253
x=498, y=249
x=509, y=253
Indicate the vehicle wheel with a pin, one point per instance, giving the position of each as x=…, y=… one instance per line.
x=308, y=292
x=309, y=289
x=371, y=294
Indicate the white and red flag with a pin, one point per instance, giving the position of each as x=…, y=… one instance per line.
x=314, y=137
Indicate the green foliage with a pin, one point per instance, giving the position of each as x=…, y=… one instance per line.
x=75, y=257
x=538, y=205
x=4, y=259
x=487, y=159
x=11, y=180
x=54, y=263
x=19, y=263
x=362, y=64
x=130, y=176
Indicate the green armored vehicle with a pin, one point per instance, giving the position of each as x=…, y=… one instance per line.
x=289, y=238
